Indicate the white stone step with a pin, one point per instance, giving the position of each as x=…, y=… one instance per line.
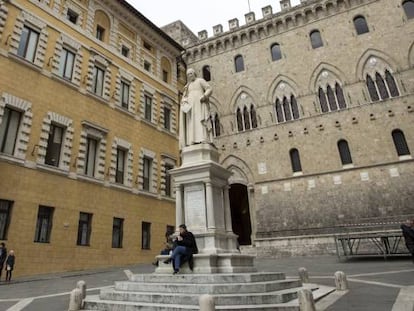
x=208, y=278
x=93, y=303
x=281, y=296
x=256, y=287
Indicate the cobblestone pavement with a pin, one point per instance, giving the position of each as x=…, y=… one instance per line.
x=374, y=283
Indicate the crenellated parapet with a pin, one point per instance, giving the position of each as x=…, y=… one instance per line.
x=270, y=24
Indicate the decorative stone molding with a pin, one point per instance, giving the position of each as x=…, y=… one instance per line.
x=167, y=102
x=67, y=140
x=74, y=46
x=129, y=79
x=25, y=18
x=148, y=91
x=23, y=135
x=98, y=133
x=119, y=142
x=71, y=5
x=4, y=11
x=154, y=170
x=166, y=161
x=102, y=63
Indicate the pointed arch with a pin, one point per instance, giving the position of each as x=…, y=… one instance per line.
x=242, y=173
x=372, y=53
x=272, y=91
x=236, y=96
x=411, y=55
x=317, y=75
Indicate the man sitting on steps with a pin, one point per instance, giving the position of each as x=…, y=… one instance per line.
x=185, y=247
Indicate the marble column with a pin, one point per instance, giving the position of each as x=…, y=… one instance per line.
x=179, y=215
x=227, y=210
x=211, y=222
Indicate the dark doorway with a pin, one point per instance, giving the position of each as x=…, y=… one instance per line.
x=240, y=213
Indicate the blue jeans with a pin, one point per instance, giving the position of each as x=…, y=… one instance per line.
x=178, y=252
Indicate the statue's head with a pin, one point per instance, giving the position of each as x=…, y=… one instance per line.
x=191, y=75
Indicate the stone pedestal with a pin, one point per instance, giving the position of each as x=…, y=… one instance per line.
x=202, y=203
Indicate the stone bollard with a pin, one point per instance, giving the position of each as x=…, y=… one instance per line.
x=306, y=302
x=82, y=286
x=75, y=302
x=303, y=275
x=340, y=281
x=206, y=303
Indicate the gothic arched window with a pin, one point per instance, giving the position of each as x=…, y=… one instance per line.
x=400, y=143
x=344, y=152
x=381, y=86
x=239, y=63
x=372, y=89
x=253, y=117
x=409, y=8
x=392, y=86
x=246, y=117
x=340, y=96
x=361, y=25
x=279, y=112
x=331, y=99
x=295, y=160
x=322, y=100
x=276, y=52
x=206, y=73
x=294, y=105
x=316, y=39
x=286, y=109
x=216, y=125
x=239, y=120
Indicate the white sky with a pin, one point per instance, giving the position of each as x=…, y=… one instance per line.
x=202, y=14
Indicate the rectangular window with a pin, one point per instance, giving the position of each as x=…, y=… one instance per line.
x=67, y=60
x=167, y=118
x=168, y=180
x=28, y=44
x=84, y=229
x=91, y=153
x=117, y=232
x=120, y=166
x=5, y=214
x=98, y=80
x=165, y=76
x=72, y=16
x=100, y=32
x=147, y=66
x=54, y=145
x=147, y=46
x=9, y=129
x=44, y=224
x=146, y=235
x=147, y=173
x=148, y=107
x=124, y=94
x=125, y=51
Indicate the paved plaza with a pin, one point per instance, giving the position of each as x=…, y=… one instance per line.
x=374, y=283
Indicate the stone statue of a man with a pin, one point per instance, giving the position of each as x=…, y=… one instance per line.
x=195, y=123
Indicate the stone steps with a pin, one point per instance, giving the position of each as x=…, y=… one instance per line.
x=256, y=287
x=281, y=296
x=208, y=278
x=241, y=291
x=93, y=303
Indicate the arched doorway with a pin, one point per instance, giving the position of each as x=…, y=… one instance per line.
x=240, y=213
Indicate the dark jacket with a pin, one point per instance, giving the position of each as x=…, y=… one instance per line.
x=189, y=242
x=3, y=255
x=408, y=233
x=10, y=261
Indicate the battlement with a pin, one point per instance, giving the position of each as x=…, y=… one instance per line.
x=271, y=24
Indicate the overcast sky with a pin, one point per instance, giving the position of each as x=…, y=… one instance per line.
x=202, y=14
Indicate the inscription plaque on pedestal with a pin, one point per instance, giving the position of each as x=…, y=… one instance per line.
x=195, y=213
